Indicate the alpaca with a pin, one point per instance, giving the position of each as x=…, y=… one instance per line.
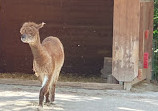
x=48, y=59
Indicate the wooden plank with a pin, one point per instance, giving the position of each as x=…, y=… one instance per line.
x=145, y=45
x=146, y=0
x=148, y=13
x=137, y=79
x=126, y=39
x=141, y=37
x=97, y=86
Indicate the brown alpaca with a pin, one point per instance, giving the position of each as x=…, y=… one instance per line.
x=48, y=59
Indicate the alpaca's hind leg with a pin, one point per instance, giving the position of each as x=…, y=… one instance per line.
x=47, y=97
x=53, y=86
x=52, y=97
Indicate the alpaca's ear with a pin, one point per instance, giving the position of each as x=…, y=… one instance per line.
x=40, y=25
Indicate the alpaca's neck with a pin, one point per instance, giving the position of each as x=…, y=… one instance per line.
x=37, y=49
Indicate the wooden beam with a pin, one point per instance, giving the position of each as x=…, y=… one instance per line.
x=126, y=39
x=95, y=86
x=146, y=0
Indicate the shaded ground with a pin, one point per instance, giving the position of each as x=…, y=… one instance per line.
x=62, y=77
x=25, y=98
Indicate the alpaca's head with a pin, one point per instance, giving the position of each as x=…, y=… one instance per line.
x=30, y=31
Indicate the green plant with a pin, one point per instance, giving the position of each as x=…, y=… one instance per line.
x=155, y=41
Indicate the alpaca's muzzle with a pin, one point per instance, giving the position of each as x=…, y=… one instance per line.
x=23, y=36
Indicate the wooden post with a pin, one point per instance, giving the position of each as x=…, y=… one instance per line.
x=132, y=37
x=146, y=35
x=127, y=86
x=126, y=39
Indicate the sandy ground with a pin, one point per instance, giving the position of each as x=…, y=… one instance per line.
x=25, y=98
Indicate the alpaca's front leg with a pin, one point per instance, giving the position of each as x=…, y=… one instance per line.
x=44, y=90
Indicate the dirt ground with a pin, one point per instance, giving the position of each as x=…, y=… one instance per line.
x=143, y=97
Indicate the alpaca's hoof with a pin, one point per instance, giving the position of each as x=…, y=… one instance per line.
x=47, y=103
x=40, y=108
x=52, y=103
